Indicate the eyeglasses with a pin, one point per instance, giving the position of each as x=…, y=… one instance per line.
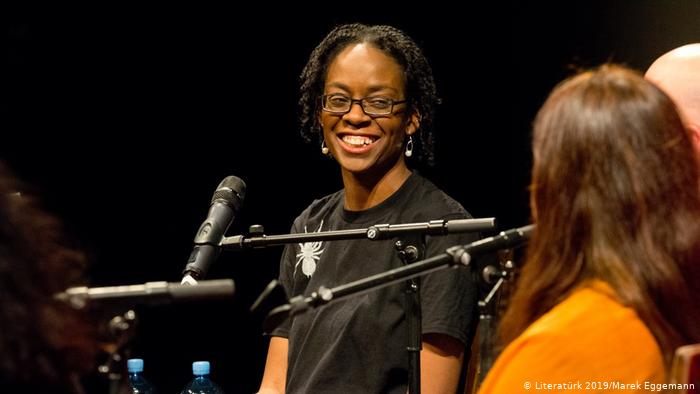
x=339, y=104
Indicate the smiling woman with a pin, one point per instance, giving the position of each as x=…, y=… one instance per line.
x=368, y=94
x=367, y=145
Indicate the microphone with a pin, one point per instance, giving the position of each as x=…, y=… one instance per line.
x=505, y=240
x=148, y=293
x=225, y=203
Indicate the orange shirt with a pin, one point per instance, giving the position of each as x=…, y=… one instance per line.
x=586, y=343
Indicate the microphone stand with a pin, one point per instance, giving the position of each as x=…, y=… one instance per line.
x=373, y=233
x=489, y=308
x=456, y=256
x=459, y=255
x=407, y=253
x=122, y=326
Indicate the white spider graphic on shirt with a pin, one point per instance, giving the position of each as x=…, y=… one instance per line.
x=310, y=253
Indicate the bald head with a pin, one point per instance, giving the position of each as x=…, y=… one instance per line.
x=678, y=74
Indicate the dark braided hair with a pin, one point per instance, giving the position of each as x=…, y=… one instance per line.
x=418, y=76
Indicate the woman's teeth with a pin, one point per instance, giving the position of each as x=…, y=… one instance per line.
x=357, y=140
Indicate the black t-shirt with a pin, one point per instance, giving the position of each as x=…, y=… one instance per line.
x=358, y=345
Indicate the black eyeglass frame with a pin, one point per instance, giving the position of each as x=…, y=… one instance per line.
x=360, y=101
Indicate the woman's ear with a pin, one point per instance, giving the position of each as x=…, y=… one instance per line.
x=695, y=135
x=413, y=122
x=319, y=121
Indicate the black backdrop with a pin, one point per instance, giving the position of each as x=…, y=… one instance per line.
x=125, y=120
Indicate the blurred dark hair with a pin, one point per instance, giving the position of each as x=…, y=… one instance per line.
x=44, y=344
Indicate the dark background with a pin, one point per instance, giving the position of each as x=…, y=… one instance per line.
x=124, y=120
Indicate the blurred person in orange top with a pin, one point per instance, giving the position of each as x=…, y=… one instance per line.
x=606, y=292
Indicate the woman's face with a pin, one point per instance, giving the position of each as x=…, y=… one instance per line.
x=361, y=143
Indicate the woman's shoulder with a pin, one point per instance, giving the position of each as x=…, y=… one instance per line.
x=591, y=327
x=588, y=337
x=436, y=203
x=320, y=208
x=590, y=311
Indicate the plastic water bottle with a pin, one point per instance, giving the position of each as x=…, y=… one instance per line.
x=201, y=384
x=137, y=383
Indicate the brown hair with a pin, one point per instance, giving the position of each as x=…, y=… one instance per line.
x=44, y=344
x=615, y=197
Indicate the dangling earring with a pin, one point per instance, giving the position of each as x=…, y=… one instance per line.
x=409, y=147
x=324, y=148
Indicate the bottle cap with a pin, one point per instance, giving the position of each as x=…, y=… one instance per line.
x=200, y=368
x=134, y=365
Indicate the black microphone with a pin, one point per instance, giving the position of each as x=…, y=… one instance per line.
x=148, y=293
x=225, y=203
x=505, y=240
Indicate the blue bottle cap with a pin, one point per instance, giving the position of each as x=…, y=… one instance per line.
x=200, y=368
x=134, y=365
